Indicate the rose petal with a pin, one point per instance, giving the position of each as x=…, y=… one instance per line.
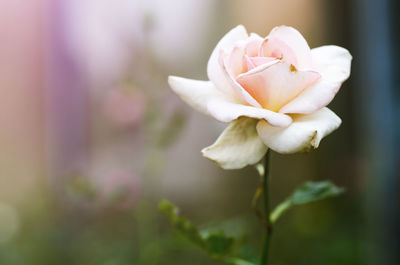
x=333, y=63
x=241, y=95
x=276, y=85
x=274, y=47
x=305, y=132
x=204, y=97
x=235, y=63
x=296, y=42
x=214, y=70
x=253, y=62
x=253, y=45
x=238, y=146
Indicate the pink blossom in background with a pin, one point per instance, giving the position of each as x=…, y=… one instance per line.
x=124, y=108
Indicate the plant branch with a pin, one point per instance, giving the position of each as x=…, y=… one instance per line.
x=267, y=218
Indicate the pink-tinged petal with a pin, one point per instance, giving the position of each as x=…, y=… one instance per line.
x=253, y=62
x=306, y=131
x=240, y=94
x=214, y=69
x=296, y=42
x=235, y=63
x=333, y=63
x=206, y=98
x=277, y=84
x=253, y=45
x=238, y=146
x=273, y=47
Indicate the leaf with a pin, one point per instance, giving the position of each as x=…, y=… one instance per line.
x=309, y=192
x=237, y=227
x=219, y=244
x=237, y=261
x=182, y=224
x=168, y=209
x=216, y=244
x=315, y=191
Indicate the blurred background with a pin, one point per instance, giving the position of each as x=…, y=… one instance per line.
x=92, y=137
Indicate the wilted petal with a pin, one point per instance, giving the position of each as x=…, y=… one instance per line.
x=204, y=97
x=214, y=69
x=305, y=132
x=333, y=63
x=296, y=42
x=277, y=84
x=238, y=146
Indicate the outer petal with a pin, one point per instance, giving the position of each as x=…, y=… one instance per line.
x=204, y=97
x=214, y=69
x=296, y=42
x=276, y=84
x=238, y=146
x=333, y=63
x=305, y=132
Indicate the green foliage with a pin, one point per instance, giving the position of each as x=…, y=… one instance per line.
x=309, y=192
x=216, y=244
x=237, y=261
x=315, y=191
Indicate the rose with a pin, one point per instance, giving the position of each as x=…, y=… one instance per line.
x=273, y=90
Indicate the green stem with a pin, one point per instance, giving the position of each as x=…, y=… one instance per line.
x=267, y=213
x=280, y=209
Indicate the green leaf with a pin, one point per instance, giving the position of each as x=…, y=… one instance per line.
x=181, y=224
x=168, y=209
x=237, y=261
x=219, y=244
x=216, y=244
x=307, y=193
x=315, y=191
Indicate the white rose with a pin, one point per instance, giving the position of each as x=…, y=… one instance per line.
x=273, y=90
